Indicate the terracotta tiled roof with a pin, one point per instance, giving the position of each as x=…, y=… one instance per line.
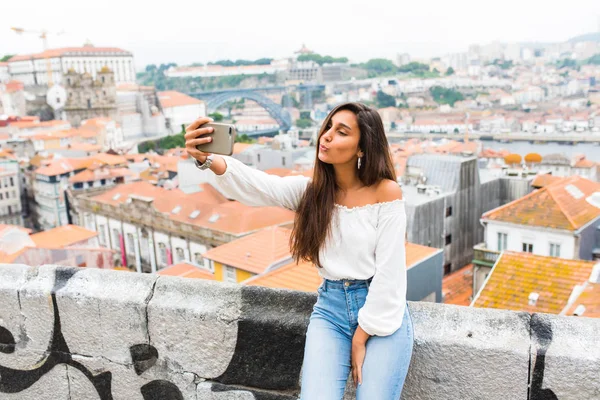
x=187, y=271
x=5, y=228
x=584, y=163
x=173, y=98
x=89, y=175
x=54, y=135
x=561, y=205
x=37, y=124
x=62, y=236
x=256, y=252
x=240, y=147
x=415, y=253
x=69, y=51
x=278, y=171
x=303, y=277
x=62, y=166
x=543, y=180
x=215, y=211
x=109, y=159
x=516, y=275
x=84, y=147
x=457, y=288
x=590, y=299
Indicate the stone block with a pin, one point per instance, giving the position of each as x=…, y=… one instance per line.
x=193, y=324
x=565, y=357
x=103, y=313
x=468, y=353
x=52, y=385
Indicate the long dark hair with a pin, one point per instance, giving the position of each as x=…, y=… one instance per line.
x=312, y=223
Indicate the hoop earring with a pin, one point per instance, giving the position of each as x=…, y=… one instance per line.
x=359, y=158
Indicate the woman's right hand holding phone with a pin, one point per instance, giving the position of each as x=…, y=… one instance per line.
x=193, y=137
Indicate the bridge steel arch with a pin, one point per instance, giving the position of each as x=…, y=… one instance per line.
x=276, y=111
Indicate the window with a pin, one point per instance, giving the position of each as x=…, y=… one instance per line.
x=162, y=253
x=448, y=239
x=198, y=259
x=12, y=182
x=258, y=157
x=502, y=240
x=554, y=250
x=527, y=247
x=229, y=274
x=447, y=268
x=130, y=243
x=180, y=254
x=102, y=233
x=116, y=241
x=283, y=161
x=1, y=196
x=448, y=211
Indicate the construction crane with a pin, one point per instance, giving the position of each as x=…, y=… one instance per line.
x=44, y=36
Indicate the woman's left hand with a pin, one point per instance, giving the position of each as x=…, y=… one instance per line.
x=359, y=351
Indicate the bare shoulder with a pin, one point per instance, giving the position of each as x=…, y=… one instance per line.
x=388, y=190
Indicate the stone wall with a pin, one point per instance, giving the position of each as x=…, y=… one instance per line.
x=68, y=333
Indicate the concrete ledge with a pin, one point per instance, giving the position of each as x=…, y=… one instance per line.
x=69, y=333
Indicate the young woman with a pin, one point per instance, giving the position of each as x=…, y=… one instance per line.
x=351, y=223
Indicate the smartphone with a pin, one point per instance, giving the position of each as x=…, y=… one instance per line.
x=223, y=138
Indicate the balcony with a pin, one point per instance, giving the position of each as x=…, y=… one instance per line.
x=483, y=256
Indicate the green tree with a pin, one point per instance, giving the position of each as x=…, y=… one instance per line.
x=595, y=59
x=6, y=57
x=319, y=59
x=303, y=123
x=380, y=66
x=442, y=95
x=414, y=67
x=244, y=138
x=385, y=100
x=450, y=71
x=218, y=117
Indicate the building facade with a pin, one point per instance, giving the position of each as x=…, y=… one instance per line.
x=32, y=70
x=89, y=97
x=10, y=193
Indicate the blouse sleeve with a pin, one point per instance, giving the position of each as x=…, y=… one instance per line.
x=383, y=311
x=253, y=187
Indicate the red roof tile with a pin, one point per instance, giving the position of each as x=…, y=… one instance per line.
x=516, y=275
x=561, y=205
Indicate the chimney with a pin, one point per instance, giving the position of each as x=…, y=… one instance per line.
x=533, y=298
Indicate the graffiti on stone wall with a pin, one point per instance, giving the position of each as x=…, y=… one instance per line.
x=18, y=380
x=542, y=332
x=271, y=364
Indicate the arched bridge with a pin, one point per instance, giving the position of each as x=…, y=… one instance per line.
x=216, y=99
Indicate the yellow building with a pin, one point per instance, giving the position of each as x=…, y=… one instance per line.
x=250, y=255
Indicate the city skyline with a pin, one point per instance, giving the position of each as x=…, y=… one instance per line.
x=381, y=30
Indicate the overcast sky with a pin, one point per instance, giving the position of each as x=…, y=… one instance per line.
x=200, y=31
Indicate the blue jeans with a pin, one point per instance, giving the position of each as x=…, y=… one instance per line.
x=327, y=353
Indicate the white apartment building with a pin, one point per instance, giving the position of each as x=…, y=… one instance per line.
x=10, y=193
x=210, y=71
x=32, y=70
x=49, y=185
x=151, y=228
x=554, y=221
x=4, y=75
x=180, y=109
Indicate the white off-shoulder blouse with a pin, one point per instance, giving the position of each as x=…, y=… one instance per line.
x=367, y=241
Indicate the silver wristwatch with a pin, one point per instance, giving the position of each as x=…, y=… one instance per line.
x=206, y=164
